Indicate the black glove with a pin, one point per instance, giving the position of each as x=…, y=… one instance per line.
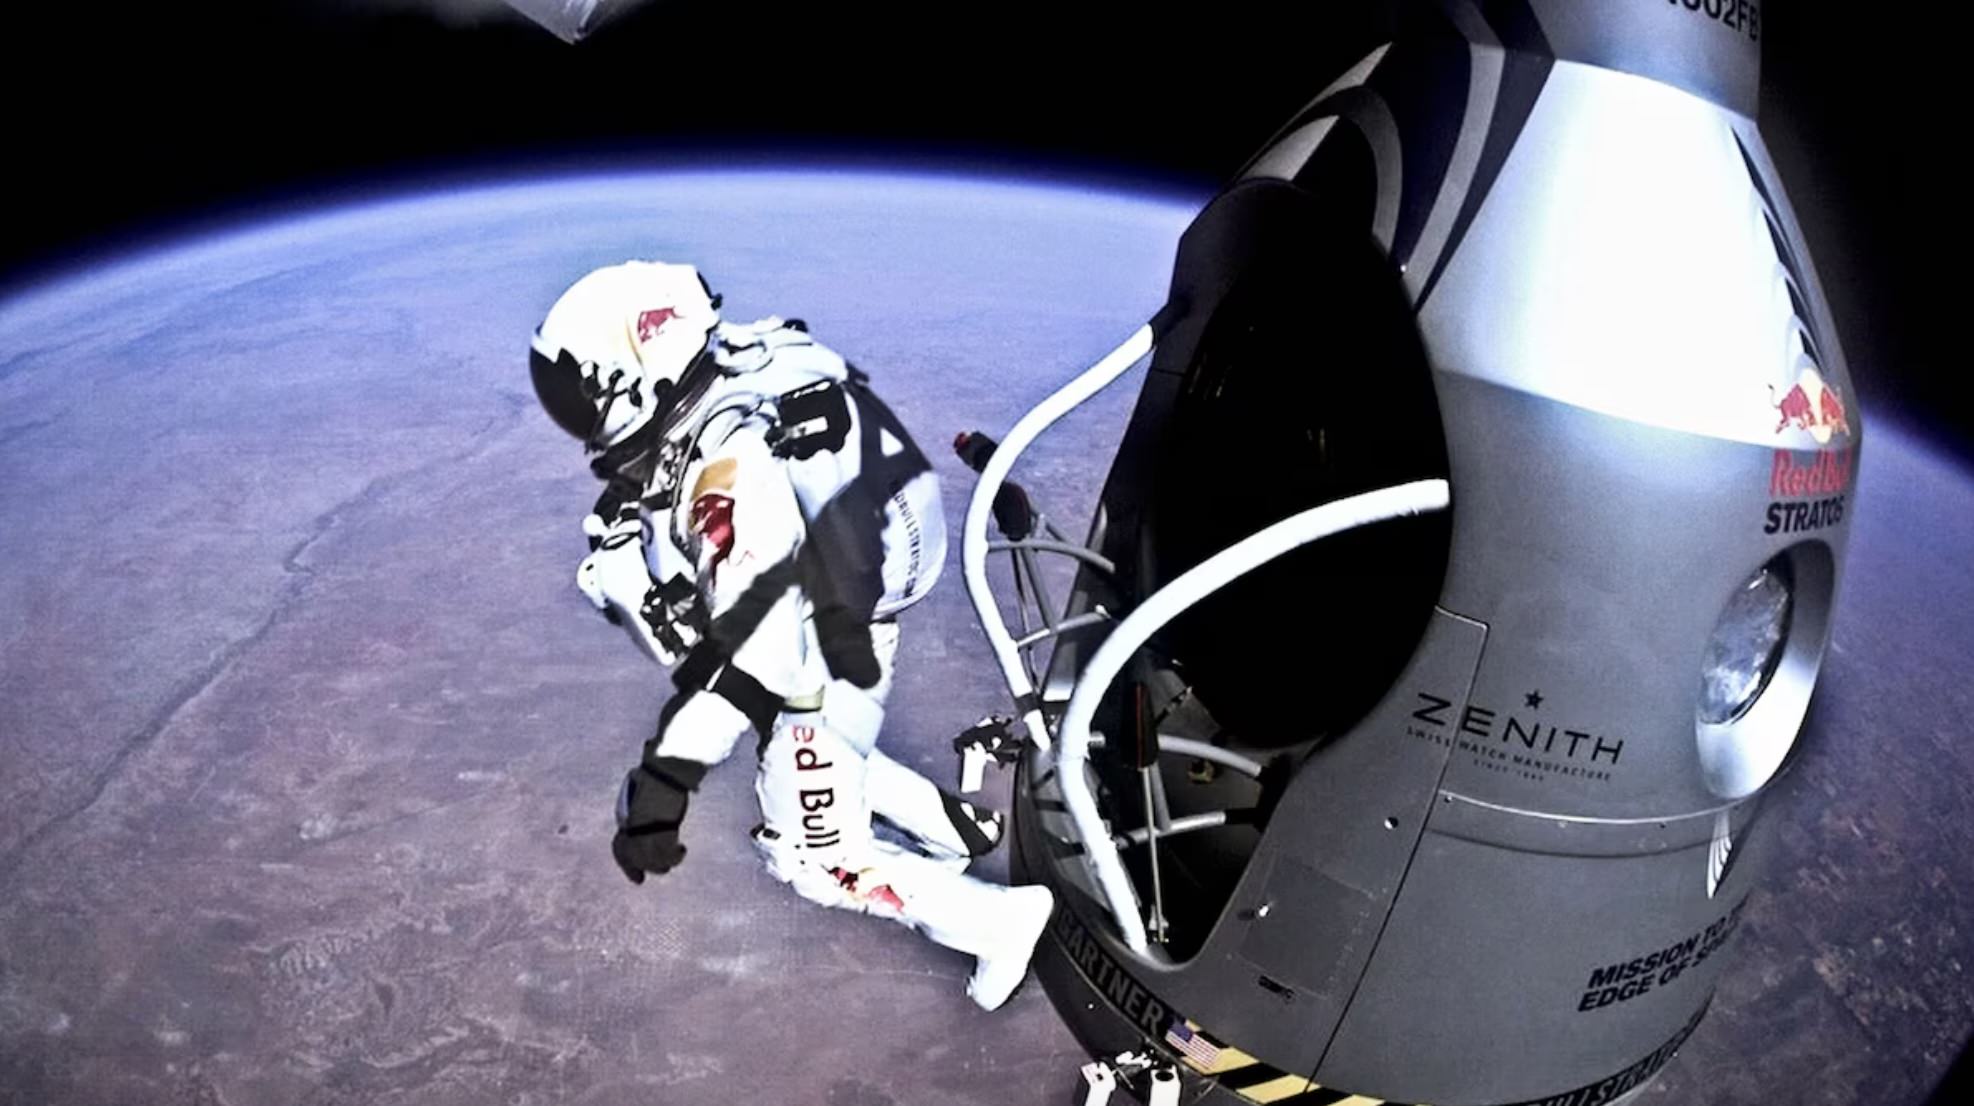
x=1013, y=513
x=846, y=646
x=650, y=806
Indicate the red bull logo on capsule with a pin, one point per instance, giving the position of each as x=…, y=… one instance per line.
x=1812, y=405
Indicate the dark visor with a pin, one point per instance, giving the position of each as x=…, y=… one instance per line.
x=559, y=386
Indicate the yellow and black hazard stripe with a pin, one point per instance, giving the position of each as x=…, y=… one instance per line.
x=1177, y=1035
x=1241, y=1073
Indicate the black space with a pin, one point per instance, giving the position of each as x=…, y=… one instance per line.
x=127, y=119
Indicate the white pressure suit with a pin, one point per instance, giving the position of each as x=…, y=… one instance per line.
x=765, y=519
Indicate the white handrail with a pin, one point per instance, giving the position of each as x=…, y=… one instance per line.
x=973, y=543
x=1163, y=606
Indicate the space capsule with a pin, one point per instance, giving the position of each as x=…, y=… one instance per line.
x=1457, y=591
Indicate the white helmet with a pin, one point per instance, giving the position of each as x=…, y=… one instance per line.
x=612, y=350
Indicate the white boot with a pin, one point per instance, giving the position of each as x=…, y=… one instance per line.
x=998, y=972
x=997, y=925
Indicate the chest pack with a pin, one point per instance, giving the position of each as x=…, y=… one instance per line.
x=875, y=529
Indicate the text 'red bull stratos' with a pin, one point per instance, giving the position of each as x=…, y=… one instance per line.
x=1457, y=590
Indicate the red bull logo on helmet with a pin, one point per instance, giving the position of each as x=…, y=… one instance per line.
x=650, y=323
x=1810, y=405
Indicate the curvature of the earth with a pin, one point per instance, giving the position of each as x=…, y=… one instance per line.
x=308, y=743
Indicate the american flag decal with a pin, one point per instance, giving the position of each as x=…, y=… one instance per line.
x=1187, y=1038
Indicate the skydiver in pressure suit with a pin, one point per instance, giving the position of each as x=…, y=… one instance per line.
x=765, y=520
